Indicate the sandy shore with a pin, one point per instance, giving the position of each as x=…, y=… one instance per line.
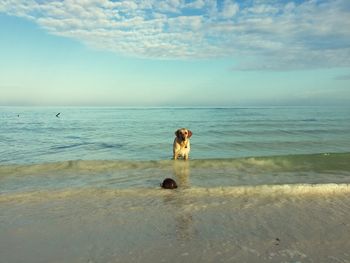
x=175, y=226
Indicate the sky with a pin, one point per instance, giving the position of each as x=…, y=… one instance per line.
x=174, y=53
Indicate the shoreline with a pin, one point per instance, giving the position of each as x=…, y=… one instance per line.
x=246, y=191
x=176, y=226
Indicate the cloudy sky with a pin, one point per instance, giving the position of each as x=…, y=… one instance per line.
x=175, y=52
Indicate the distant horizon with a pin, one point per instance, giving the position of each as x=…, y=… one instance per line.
x=179, y=106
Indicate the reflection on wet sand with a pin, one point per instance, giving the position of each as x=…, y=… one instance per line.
x=179, y=205
x=182, y=173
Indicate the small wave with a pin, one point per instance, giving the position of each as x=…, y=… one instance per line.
x=309, y=120
x=286, y=189
x=89, y=145
x=325, y=162
x=68, y=146
x=299, y=190
x=110, y=145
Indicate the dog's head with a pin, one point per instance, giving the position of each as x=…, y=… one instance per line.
x=183, y=134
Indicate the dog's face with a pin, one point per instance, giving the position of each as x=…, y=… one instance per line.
x=183, y=134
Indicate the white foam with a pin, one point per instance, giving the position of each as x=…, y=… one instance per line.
x=286, y=189
x=235, y=191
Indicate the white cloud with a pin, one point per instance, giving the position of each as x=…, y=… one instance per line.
x=198, y=4
x=230, y=9
x=266, y=9
x=255, y=34
x=172, y=6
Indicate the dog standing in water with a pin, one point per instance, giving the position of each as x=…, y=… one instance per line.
x=181, y=147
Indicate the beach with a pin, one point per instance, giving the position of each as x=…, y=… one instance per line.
x=309, y=224
x=83, y=188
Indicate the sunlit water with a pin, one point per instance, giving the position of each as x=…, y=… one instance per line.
x=261, y=185
x=35, y=135
x=132, y=147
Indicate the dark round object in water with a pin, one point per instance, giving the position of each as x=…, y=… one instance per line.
x=168, y=183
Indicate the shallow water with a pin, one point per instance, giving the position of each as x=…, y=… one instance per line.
x=262, y=185
x=300, y=223
x=37, y=136
x=135, y=175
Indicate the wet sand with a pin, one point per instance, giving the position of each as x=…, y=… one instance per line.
x=175, y=226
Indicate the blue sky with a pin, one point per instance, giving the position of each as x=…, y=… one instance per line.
x=174, y=53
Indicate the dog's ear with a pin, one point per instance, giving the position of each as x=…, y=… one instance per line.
x=177, y=133
x=189, y=133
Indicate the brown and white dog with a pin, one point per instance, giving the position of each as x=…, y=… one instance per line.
x=181, y=146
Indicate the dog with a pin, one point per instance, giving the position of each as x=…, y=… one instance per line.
x=181, y=146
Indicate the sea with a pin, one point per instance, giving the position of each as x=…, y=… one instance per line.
x=83, y=184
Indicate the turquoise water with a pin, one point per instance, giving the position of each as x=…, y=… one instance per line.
x=261, y=185
x=37, y=136
x=132, y=147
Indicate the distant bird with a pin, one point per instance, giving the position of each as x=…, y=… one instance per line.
x=58, y=114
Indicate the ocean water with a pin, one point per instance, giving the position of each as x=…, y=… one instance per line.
x=35, y=135
x=132, y=147
x=262, y=185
